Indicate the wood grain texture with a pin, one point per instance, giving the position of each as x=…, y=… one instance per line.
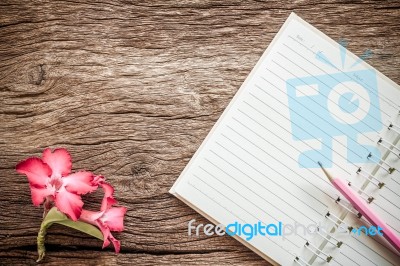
x=132, y=89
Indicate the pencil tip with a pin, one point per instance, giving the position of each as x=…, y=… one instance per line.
x=325, y=172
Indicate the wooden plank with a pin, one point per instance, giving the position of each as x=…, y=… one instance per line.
x=132, y=89
x=85, y=257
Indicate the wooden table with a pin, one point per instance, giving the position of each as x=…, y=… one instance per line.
x=132, y=89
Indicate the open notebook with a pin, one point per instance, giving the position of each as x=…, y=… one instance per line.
x=308, y=99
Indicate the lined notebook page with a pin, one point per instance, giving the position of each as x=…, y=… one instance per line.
x=259, y=162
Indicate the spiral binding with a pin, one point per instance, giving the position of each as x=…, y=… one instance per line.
x=329, y=238
x=369, y=197
x=337, y=244
x=318, y=252
x=328, y=216
x=380, y=163
x=370, y=177
x=390, y=148
x=338, y=201
x=394, y=127
x=299, y=260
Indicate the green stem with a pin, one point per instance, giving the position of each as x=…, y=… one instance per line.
x=40, y=240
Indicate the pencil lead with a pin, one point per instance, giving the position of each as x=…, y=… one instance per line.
x=325, y=172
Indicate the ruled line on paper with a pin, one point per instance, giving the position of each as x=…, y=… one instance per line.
x=260, y=172
x=387, y=212
x=248, y=176
x=284, y=177
x=370, y=250
x=337, y=141
x=321, y=69
x=290, y=157
x=367, y=151
x=397, y=182
x=391, y=226
x=212, y=199
x=245, y=198
x=387, y=100
x=344, y=254
x=296, y=76
x=390, y=201
x=372, y=141
x=247, y=187
x=345, y=170
x=321, y=81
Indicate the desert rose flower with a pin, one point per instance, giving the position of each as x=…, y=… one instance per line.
x=50, y=179
x=109, y=218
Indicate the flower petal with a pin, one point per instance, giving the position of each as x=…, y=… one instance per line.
x=116, y=243
x=90, y=216
x=105, y=231
x=36, y=170
x=108, y=202
x=107, y=237
x=108, y=189
x=98, y=179
x=79, y=182
x=69, y=203
x=59, y=161
x=39, y=194
x=108, y=198
x=114, y=218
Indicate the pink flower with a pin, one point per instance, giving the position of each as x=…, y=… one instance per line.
x=108, y=218
x=50, y=178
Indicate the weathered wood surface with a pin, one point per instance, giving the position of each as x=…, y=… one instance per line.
x=131, y=89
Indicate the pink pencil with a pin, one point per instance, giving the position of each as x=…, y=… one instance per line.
x=362, y=207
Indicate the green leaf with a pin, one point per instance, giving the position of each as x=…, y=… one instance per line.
x=55, y=216
x=83, y=227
